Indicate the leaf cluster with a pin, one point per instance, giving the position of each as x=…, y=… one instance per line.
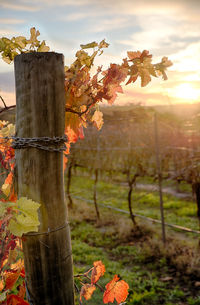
x=9, y=48
x=114, y=290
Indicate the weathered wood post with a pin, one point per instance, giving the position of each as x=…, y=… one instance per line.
x=159, y=172
x=40, y=100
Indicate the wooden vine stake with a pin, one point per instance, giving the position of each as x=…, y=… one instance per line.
x=159, y=172
x=40, y=100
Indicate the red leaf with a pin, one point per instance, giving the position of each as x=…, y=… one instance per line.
x=22, y=291
x=15, y=300
x=22, y=273
x=144, y=54
x=10, y=278
x=97, y=272
x=9, y=178
x=134, y=55
x=87, y=291
x=117, y=290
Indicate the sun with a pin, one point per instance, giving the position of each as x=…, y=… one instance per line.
x=187, y=91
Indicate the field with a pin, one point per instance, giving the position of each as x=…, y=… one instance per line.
x=105, y=169
x=177, y=211
x=155, y=274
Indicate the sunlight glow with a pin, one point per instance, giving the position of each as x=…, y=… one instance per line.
x=187, y=91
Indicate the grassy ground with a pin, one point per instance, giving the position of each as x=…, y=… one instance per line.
x=156, y=274
x=177, y=211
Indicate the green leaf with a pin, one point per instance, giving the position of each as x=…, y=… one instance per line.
x=2, y=209
x=43, y=47
x=89, y=45
x=26, y=205
x=27, y=219
x=21, y=41
x=19, y=229
x=3, y=295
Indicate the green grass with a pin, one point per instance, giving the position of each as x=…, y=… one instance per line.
x=177, y=211
x=142, y=269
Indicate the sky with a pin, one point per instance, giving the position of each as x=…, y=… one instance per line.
x=165, y=28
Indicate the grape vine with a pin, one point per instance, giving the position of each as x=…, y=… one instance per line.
x=84, y=90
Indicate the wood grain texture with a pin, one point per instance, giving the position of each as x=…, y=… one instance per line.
x=40, y=99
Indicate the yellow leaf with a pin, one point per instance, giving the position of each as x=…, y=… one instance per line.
x=19, y=229
x=145, y=77
x=43, y=47
x=89, y=45
x=8, y=131
x=97, y=118
x=27, y=219
x=21, y=41
x=33, y=39
x=6, y=59
x=6, y=189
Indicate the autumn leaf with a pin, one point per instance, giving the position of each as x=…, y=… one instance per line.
x=6, y=189
x=133, y=74
x=22, y=291
x=112, y=92
x=145, y=54
x=97, y=118
x=116, y=290
x=87, y=291
x=145, y=77
x=12, y=255
x=42, y=47
x=103, y=44
x=97, y=272
x=15, y=300
x=10, y=278
x=133, y=55
x=33, y=39
x=89, y=45
x=2, y=284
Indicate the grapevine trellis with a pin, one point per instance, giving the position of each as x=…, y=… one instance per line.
x=114, y=151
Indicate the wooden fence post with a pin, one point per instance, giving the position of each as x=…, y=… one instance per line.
x=159, y=172
x=40, y=100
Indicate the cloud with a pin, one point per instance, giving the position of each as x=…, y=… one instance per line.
x=6, y=32
x=74, y=17
x=187, y=59
x=13, y=5
x=11, y=21
x=110, y=23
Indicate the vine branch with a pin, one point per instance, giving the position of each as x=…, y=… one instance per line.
x=5, y=106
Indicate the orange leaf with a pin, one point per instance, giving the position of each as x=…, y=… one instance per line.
x=22, y=291
x=97, y=272
x=15, y=300
x=87, y=291
x=10, y=278
x=1, y=285
x=9, y=178
x=116, y=289
x=134, y=55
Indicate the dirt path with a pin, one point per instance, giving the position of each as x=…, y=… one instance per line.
x=167, y=190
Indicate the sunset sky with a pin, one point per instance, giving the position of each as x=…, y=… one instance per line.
x=165, y=28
